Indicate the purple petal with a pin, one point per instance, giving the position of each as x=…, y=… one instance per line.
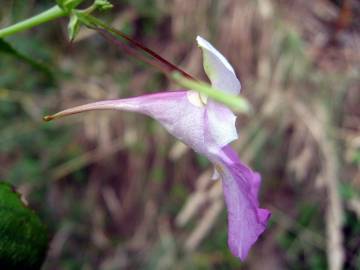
x=218, y=69
x=246, y=221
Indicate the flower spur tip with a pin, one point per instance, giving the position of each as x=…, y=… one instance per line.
x=48, y=118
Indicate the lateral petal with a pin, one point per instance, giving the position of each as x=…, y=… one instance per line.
x=220, y=124
x=246, y=221
x=218, y=69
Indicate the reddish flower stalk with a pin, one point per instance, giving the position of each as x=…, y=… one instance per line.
x=166, y=67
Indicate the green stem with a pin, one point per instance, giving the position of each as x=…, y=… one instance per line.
x=48, y=15
x=237, y=103
x=91, y=21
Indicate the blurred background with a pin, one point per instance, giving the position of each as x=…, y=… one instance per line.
x=118, y=192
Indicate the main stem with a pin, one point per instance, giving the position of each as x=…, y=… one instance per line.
x=48, y=15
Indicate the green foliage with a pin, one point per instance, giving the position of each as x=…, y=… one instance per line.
x=348, y=192
x=5, y=47
x=356, y=157
x=103, y=5
x=23, y=237
x=78, y=17
x=73, y=26
x=296, y=242
x=68, y=5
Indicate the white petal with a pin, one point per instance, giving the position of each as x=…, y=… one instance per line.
x=218, y=69
x=220, y=122
x=215, y=175
x=196, y=99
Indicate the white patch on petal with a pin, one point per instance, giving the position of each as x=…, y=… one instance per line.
x=203, y=98
x=215, y=175
x=196, y=98
x=221, y=124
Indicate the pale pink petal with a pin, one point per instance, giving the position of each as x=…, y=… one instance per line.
x=220, y=122
x=200, y=127
x=208, y=129
x=173, y=110
x=218, y=69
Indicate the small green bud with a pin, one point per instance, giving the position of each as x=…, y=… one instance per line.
x=73, y=26
x=103, y=5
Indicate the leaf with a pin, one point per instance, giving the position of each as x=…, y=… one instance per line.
x=5, y=47
x=23, y=237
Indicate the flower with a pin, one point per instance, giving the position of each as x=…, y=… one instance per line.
x=207, y=127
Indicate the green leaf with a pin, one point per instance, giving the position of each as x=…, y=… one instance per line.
x=5, y=47
x=347, y=191
x=23, y=237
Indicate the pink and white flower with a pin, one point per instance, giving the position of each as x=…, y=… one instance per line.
x=207, y=127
